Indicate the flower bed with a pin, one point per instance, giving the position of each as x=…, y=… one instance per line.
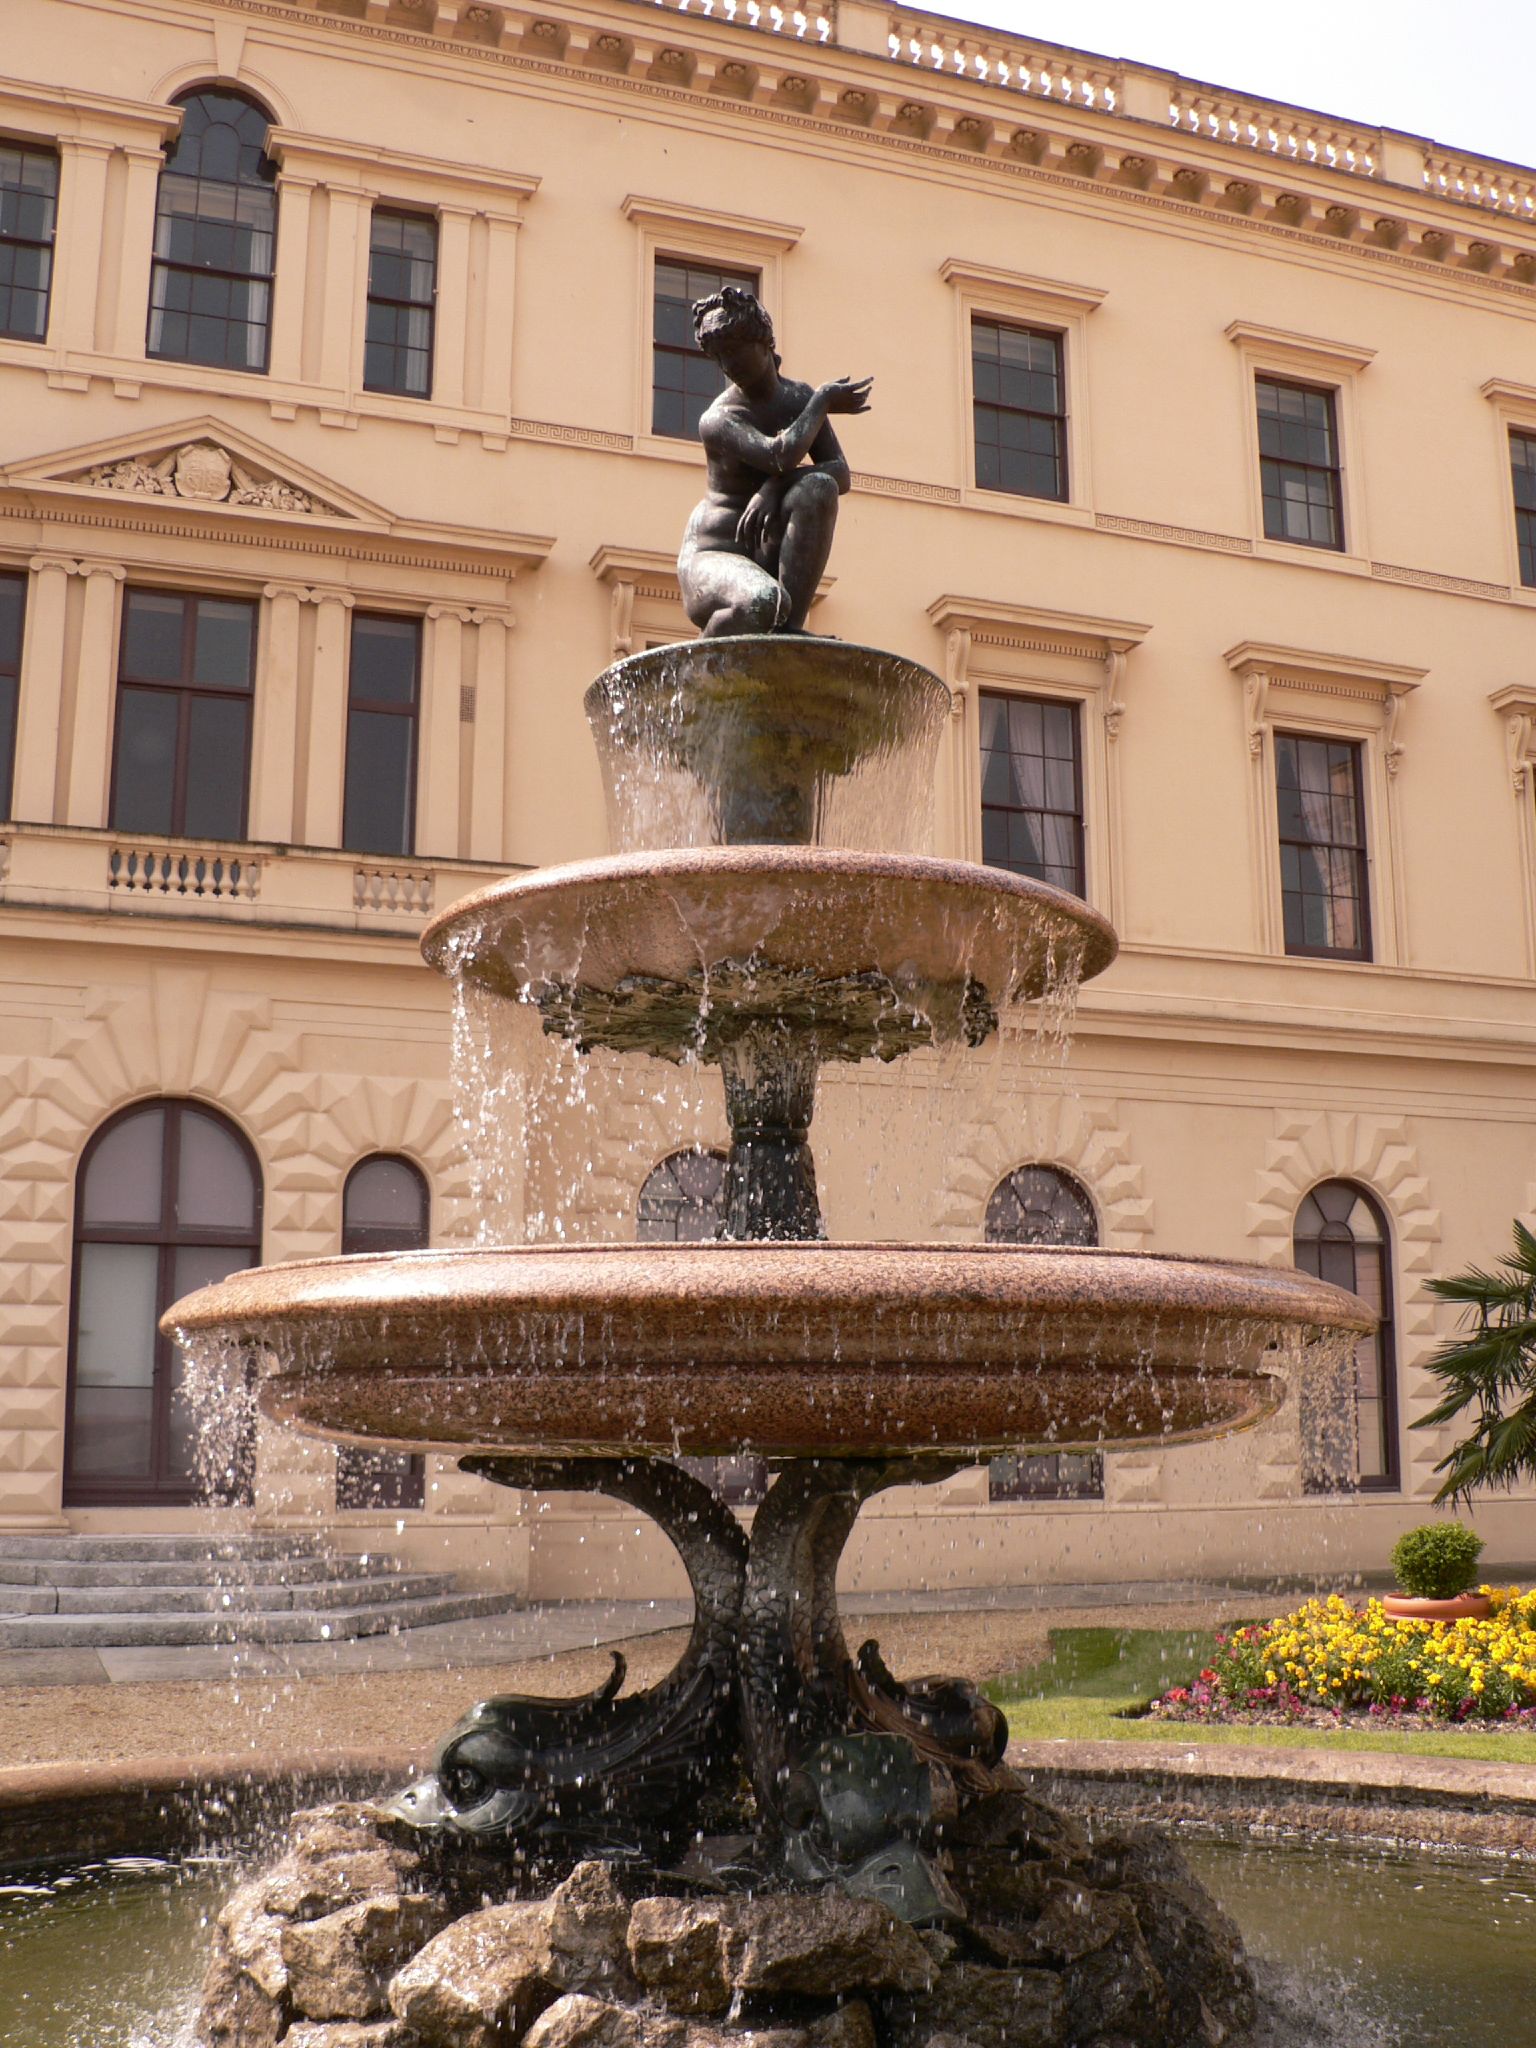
x=1330, y=1659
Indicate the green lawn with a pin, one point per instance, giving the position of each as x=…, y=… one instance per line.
x=1089, y=1687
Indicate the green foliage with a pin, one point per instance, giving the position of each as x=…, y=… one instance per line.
x=1436, y=1561
x=1489, y=1376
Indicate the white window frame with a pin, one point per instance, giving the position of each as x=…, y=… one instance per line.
x=1048, y=305
x=1327, y=696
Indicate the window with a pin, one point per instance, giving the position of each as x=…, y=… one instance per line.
x=1299, y=464
x=210, y=295
x=683, y=1199
x=683, y=1202
x=402, y=289
x=683, y=380
x=13, y=605
x=384, y=1208
x=1522, y=456
x=1019, y=400
x=1341, y=1236
x=383, y=689
x=181, y=754
x=169, y=1199
x=1043, y=1205
x=1323, y=876
x=29, y=201
x=1032, y=788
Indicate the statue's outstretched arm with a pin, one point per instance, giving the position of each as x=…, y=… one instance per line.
x=778, y=454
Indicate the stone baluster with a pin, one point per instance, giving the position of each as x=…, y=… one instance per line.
x=42, y=690
x=90, y=748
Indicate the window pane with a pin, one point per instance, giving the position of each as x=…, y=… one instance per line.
x=1040, y=1205
x=223, y=637
x=122, y=1181
x=1019, y=410
x=387, y=1193
x=381, y=756
x=214, y=1184
x=217, y=733
x=215, y=231
x=113, y=1406
x=683, y=1200
x=152, y=636
x=146, y=761
x=384, y=661
x=1031, y=789
x=29, y=183
x=684, y=381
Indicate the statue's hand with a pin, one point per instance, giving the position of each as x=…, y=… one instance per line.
x=847, y=394
x=762, y=509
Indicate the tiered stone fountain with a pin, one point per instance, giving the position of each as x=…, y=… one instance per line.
x=772, y=1772
x=779, y=1834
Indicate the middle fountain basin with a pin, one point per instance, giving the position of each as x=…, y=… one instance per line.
x=795, y=1350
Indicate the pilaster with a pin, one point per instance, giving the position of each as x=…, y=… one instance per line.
x=454, y=224
x=77, y=246
x=327, y=720
x=90, y=750
x=136, y=251
x=437, y=788
x=41, y=694
x=275, y=741
x=489, y=764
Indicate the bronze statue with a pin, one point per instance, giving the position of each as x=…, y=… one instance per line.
x=758, y=542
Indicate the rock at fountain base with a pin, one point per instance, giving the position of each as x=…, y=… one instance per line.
x=1071, y=1940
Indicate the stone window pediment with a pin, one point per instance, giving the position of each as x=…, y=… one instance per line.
x=203, y=463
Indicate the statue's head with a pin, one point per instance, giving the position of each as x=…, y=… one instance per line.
x=729, y=320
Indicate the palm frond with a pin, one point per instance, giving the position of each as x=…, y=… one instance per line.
x=1488, y=1377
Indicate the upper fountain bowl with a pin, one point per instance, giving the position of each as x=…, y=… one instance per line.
x=768, y=740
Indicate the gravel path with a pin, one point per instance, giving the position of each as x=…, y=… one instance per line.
x=289, y=1716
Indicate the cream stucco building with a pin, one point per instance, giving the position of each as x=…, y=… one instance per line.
x=346, y=405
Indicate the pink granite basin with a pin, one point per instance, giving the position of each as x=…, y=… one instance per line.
x=786, y=1349
x=811, y=919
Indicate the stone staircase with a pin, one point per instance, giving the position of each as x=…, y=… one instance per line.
x=73, y=1592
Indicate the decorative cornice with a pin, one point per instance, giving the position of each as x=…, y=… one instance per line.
x=1051, y=293
x=740, y=227
x=71, y=113
x=1308, y=348
x=293, y=148
x=1304, y=668
x=1096, y=637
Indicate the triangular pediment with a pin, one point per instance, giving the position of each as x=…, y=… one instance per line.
x=203, y=463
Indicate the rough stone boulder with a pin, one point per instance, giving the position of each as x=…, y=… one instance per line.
x=339, y=1966
x=984, y=2008
x=579, y=2021
x=1195, y=1945
x=350, y=2034
x=697, y=1955
x=245, y=1987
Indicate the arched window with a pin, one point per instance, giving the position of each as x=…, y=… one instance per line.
x=168, y=1199
x=210, y=294
x=1342, y=1236
x=683, y=1199
x=1043, y=1205
x=1040, y=1205
x=385, y=1207
x=683, y=1202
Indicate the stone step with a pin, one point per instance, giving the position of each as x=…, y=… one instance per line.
x=196, y=1571
x=165, y=1631
x=256, y=1600
x=30, y=1545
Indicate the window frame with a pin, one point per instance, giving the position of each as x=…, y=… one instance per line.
x=183, y=690
x=31, y=145
x=163, y=265
x=94, y=1491
x=395, y=210
x=1284, y=357
x=1074, y=707
x=1043, y=306
x=748, y=275
x=1060, y=421
x=13, y=678
x=1391, y=1481
x=668, y=230
x=382, y=706
x=1299, y=950
x=1333, y=471
x=1525, y=547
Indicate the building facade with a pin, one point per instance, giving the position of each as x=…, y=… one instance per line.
x=348, y=410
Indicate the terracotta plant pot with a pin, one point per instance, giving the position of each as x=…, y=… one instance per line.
x=1465, y=1607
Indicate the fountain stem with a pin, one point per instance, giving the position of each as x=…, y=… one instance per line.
x=770, y=1097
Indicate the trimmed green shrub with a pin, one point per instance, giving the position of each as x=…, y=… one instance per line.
x=1437, y=1561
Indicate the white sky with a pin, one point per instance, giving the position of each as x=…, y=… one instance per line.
x=1461, y=77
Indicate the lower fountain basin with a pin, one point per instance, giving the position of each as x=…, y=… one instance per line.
x=805, y=1350
x=667, y=952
